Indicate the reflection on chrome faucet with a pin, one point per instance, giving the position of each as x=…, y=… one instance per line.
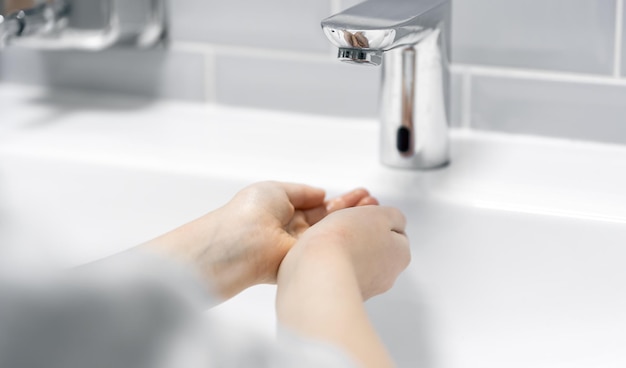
x=412, y=37
x=80, y=24
x=357, y=40
x=8, y=28
x=39, y=18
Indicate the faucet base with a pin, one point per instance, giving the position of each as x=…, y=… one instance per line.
x=426, y=168
x=414, y=39
x=414, y=116
x=413, y=164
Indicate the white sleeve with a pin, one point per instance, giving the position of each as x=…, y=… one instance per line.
x=135, y=311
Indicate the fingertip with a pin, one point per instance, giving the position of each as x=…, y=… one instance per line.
x=368, y=201
x=335, y=204
x=353, y=198
x=361, y=191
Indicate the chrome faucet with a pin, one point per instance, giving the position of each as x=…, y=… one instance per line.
x=37, y=18
x=411, y=39
x=81, y=24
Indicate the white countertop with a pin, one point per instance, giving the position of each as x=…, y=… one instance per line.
x=516, y=173
x=518, y=246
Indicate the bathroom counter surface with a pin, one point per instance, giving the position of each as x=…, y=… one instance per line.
x=518, y=245
x=516, y=173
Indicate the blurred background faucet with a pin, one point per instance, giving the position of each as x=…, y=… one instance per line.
x=81, y=24
x=411, y=39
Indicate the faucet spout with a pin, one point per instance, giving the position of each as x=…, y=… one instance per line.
x=359, y=56
x=37, y=20
x=85, y=25
x=382, y=25
x=410, y=38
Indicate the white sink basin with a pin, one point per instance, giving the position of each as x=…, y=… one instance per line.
x=519, y=246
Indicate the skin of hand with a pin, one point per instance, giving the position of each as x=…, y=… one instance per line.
x=243, y=243
x=346, y=258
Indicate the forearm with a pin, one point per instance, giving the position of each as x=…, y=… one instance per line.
x=319, y=297
x=203, y=247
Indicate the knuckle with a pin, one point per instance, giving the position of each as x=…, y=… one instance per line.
x=388, y=284
x=265, y=184
x=407, y=258
x=399, y=215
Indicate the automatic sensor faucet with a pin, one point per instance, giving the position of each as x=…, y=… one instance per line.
x=411, y=39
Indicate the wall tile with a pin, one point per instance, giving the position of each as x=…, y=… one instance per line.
x=318, y=87
x=556, y=109
x=623, y=66
x=456, y=99
x=21, y=66
x=153, y=73
x=564, y=35
x=281, y=24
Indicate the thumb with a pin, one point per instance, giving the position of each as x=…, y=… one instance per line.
x=303, y=196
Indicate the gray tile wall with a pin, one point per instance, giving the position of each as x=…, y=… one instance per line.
x=547, y=67
x=542, y=67
x=274, y=24
x=559, y=35
x=152, y=73
x=571, y=109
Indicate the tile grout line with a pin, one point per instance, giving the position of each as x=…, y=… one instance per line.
x=210, y=78
x=504, y=72
x=335, y=7
x=617, y=49
x=209, y=56
x=466, y=102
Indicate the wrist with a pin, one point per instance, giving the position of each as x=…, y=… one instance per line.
x=217, y=253
x=319, y=297
x=205, y=246
x=329, y=263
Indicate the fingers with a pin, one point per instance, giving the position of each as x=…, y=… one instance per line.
x=303, y=196
x=315, y=215
x=368, y=201
x=306, y=197
x=356, y=197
